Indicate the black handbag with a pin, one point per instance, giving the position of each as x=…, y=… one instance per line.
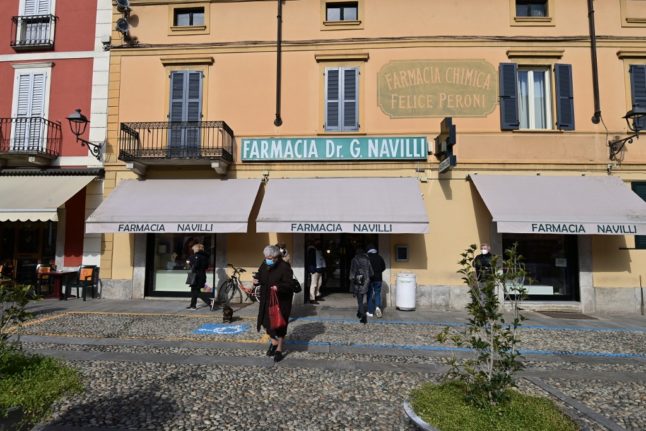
x=190, y=278
x=296, y=285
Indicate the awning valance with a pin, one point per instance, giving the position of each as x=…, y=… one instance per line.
x=207, y=206
x=331, y=205
x=37, y=198
x=590, y=205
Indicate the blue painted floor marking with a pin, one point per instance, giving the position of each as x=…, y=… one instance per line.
x=222, y=329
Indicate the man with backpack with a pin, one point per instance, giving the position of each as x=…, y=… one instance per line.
x=374, y=292
x=360, y=275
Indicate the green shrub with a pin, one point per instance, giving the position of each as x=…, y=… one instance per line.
x=33, y=382
x=446, y=408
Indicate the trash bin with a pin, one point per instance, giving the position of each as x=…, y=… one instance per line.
x=406, y=289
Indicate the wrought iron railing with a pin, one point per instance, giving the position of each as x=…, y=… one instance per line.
x=33, y=31
x=30, y=135
x=176, y=140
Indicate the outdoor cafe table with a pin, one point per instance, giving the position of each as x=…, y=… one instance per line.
x=61, y=281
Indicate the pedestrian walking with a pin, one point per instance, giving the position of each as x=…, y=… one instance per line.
x=198, y=262
x=360, y=274
x=315, y=262
x=374, y=292
x=274, y=275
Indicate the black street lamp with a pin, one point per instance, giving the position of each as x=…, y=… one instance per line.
x=78, y=124
x=638, y=116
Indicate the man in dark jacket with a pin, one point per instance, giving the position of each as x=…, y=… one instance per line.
x=360, y=275
x=482, y=262
x=374, y=293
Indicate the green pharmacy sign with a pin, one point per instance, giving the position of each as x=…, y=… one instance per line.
x=330, y=148
x=437, y=88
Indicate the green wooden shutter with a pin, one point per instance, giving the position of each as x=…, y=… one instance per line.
x=508, y=96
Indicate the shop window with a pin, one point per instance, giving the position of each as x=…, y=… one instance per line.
x=640, y=189
x=527, y=97
x=342, y=11
x=188, y=17
x=527, y=8
x=341, y=99
x=638, y=90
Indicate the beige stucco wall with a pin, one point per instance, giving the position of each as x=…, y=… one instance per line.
x=239, y=88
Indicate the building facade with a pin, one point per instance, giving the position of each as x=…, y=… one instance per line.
x=52, y=61
x=227, y=129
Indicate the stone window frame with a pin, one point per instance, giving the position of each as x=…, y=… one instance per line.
x=182, y=30
x=532, y=21
x=342, y=25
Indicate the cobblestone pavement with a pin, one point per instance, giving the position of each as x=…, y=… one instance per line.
x=154, y=372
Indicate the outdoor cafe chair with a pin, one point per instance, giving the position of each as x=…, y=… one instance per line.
x=88, y=278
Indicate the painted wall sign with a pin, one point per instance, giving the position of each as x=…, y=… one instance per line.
x=341, y=227
x=437, y=88
x=573, y=228
x=351, y=149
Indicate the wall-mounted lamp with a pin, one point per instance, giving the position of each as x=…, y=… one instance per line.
x=638, y=117
x=78, y=124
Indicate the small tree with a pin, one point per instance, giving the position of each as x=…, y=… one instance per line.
x=490, y=374
x=13, y=300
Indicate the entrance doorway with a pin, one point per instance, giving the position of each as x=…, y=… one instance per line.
x=552, y=263
x=338, y=251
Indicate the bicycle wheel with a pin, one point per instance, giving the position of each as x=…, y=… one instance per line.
x=226, y=291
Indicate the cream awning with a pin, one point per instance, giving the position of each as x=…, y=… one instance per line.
x=590, y=205
x=207, y=206
x=329, y=205
x=37, y=198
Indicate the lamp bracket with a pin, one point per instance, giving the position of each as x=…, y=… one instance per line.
x=95, y=148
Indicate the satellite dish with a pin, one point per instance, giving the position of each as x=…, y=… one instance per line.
x=123, y=5
x=122, y=26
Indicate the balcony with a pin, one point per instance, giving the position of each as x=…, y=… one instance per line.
x=190, y=143
x=33, y=32
x=27, y=141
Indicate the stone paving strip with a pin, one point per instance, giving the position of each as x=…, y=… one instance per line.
x=333, y=365
x=153, y=396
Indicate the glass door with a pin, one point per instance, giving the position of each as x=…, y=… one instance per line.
x=552, y=263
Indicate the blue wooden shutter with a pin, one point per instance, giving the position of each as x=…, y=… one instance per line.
x=332, y=99
x=185, y=113
x=508, y=96
x=350, y=102
x=640, y=189
x=564, y=97
x=638, y=90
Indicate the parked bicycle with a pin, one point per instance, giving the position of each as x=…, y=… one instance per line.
x=232, y=286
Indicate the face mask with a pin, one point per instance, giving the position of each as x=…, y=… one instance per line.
x=269, y=262
x=484, y=251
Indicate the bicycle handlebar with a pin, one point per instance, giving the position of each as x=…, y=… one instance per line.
x=238, y=270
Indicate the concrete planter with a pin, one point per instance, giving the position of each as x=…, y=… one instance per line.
x=419, y=422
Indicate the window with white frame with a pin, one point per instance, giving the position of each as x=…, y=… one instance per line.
x=528, y=95
x=30, y=101
x=35, y=23
x=342, y=99
x=534, y=101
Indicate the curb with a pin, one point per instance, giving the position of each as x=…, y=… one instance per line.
x=419, y=422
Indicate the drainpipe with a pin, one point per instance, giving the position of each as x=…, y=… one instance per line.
x=596, y=118
x=279, y=40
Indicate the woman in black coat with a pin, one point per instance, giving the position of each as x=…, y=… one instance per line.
x=198, y=262
x=274, y=274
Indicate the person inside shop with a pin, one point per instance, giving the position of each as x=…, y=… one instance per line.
x=315, y=262
x=374, y=292
x=287, y=258
x=276, y=275
x=360, y=275
x=482, y=262
x=198, y=262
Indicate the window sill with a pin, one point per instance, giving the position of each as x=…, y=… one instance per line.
x=188, y=29
x=338, y=133
x=537, y=131
x=342, y=25
x=532, y=21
